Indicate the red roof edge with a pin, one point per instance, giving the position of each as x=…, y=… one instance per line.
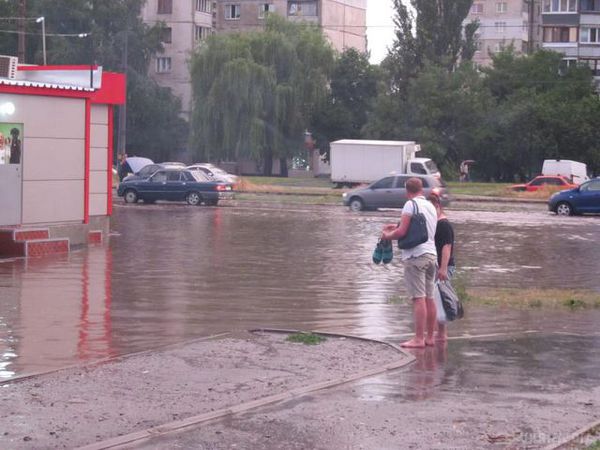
x=113, y=90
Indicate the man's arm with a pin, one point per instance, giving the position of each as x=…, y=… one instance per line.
x=443, y=270
x=400, y=231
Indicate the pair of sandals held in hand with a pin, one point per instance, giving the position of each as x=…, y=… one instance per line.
x=383, y=252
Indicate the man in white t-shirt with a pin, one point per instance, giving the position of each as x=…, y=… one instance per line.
x=420, y=263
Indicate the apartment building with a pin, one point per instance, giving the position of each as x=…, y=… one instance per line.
x=572, y=27
x=343, y=21
x=186, y=24
x=502, y=23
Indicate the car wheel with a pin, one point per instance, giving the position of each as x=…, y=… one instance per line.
x=213, y=202
x=564, y=209
x=193, y=198
x=356, y=204
x=130, y=196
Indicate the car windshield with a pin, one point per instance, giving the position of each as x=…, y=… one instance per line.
x=431, y=166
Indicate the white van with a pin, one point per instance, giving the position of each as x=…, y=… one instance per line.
x=573, y=170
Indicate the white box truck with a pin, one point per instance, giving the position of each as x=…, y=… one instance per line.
x=573, y=170
x=363, y=161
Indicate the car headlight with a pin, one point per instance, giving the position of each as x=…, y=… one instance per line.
x=344, y=195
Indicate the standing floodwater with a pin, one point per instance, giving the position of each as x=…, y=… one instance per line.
x=172, y=273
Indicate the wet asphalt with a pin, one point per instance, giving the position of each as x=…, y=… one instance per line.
x=509, y=377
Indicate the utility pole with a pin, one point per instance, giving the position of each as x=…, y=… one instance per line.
x=122, y=130
x=21, y=30
x=530, y=25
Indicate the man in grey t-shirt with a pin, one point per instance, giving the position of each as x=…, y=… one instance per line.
x=420, y=263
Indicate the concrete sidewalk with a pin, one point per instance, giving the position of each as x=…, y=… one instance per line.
x=178, y=386
x=512, y=392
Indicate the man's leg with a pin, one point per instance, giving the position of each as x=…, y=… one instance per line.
x=430, y=275
x=431, y=320
x=420, y=314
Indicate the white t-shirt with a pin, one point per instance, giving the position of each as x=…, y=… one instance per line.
x=428, y=210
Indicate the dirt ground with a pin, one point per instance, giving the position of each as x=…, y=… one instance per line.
x=76, y=407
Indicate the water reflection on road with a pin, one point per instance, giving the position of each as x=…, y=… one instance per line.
x=171, y=273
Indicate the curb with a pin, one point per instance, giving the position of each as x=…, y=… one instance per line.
x=571, y=441
x=160, y=430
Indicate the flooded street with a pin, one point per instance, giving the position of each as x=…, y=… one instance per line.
x=171, y=273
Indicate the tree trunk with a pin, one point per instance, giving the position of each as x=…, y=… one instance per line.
x=283, y=169
x=268, y=164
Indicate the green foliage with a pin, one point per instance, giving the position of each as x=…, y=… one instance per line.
x=353, y=92
x=154, y=126
x=306, y=338
x=255, y=93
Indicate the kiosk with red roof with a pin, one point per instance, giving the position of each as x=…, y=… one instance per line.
x=56, y=135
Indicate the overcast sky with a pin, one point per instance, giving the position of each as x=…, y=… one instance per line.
x=380, y=28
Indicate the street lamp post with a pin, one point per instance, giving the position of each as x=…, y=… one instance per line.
x=42, y=20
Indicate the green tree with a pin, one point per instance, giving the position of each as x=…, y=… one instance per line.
x=255, y=93
x=353, y=91
x=542, y=110
x=114, y=27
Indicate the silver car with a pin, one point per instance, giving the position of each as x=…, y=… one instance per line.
x=389, y=192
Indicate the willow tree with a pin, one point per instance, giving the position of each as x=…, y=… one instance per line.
x=255, y=93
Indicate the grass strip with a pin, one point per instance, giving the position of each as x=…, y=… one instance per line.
x=306, y=338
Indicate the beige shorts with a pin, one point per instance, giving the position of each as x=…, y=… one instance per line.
x=419, y=274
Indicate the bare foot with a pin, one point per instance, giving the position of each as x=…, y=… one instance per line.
x=430, y=342
x=441, y=339
x=413, y=343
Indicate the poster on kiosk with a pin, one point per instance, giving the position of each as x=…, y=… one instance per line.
x=11, y=156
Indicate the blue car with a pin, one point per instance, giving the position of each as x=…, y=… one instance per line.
x=175, y=185
x=581, y=200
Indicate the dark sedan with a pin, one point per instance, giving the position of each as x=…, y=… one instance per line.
x=175, y=185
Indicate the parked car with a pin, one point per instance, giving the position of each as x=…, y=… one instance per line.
x=538, y=182
x=215, y=173
x=175, y=185
x=150, y=169
x=389, y=192
x=579, y=200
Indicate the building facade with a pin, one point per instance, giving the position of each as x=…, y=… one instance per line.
x=343, y=21
x=186, y=24
x=572, y=27
x=503, y=23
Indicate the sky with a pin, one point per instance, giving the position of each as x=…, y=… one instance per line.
x=380, y=28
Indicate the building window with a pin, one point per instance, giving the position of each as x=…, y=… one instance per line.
x=560, y=34
x=477, y=8
x=201, y=33
x=589, y=35
x=560, y=6
x=477, y=42
x=166, y=35
x=593, y=64
x=203, y=5
x=500, y=27
x=233, y=11
x=590, y=5
x=302, y=8
x=163, y=64
x=265, y=9
x=165, y=7
x=498, y=47
x=501, y=7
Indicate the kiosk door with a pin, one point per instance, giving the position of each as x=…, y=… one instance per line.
x=11, y=158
